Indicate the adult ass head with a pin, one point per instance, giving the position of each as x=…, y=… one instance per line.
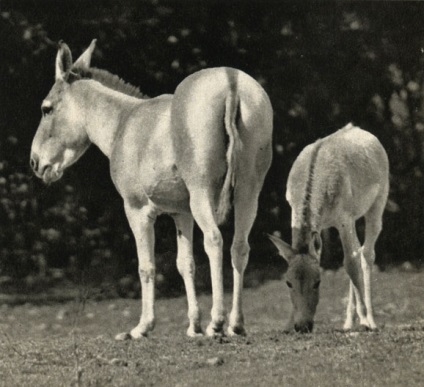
x=61, y=138
x=303, y=279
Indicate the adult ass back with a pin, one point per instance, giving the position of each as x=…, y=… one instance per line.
x=182, y=155
x=332, y=183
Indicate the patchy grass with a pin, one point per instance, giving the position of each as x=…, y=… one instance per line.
x=72, y=343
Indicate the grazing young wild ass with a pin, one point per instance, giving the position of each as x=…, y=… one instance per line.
x=186, y=155
x=332, y=183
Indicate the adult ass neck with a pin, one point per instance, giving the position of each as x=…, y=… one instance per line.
x=103, y=110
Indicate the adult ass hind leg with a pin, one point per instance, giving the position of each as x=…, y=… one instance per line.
x=248, y=168
x=186, y=267
x=253, y=162
x=202, y=204
x=246, y=194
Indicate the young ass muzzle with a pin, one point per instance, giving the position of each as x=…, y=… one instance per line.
x=184, y=155
x=332, y=183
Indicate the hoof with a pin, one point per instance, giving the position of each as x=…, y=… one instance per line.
x=288, y=328
x=123, y=336
x=365, y=328
x=373, y=326
x=212, y=331
x=194, y=333
x=135, y=334
x=347, y=327
x=236, y=331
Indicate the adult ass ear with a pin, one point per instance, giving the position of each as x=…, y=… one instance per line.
x=284, y=249
x=85, y=59
x=315, y=245
x=63, y=62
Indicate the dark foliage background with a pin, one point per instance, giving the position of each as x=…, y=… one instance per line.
x=323, y=65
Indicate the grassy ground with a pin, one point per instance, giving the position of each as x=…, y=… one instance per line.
x=72, y=344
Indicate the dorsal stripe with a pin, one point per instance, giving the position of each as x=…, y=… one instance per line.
x=307, y=202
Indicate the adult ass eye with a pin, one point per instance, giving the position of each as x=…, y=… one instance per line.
x=46, y=110
x=316, y=284
x=289, y=284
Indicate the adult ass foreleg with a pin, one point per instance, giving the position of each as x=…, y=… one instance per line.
x=141, y=221
x=186, y=267
x=373, y=227
x=352, y=252
x=203, y=210
x=246, y=195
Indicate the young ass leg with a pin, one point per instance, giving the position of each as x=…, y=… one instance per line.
x=186, y=267
x=142, y=225
x=373, y=226
x=352, y=263
x=202, y=208
x=351, y=307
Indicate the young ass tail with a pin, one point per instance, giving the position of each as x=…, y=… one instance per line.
x=232, y=107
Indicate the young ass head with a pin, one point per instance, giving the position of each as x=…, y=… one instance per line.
x=303, y=280
x=61, y=138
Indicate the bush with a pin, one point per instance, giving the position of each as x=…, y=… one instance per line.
x=323, y=65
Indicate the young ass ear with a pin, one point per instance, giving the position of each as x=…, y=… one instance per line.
x=85, y=59
x=315, y=245
x=63, y=62
x=284, y=249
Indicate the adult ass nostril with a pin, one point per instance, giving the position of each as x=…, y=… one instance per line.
x=42, y=170
x=33, y=163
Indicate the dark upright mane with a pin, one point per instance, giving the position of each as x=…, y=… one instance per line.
x=106, y=79
x=300, y=237
x=306, y=211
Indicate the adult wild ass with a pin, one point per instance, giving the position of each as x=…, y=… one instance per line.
x=332, y=183
x=184, y=155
